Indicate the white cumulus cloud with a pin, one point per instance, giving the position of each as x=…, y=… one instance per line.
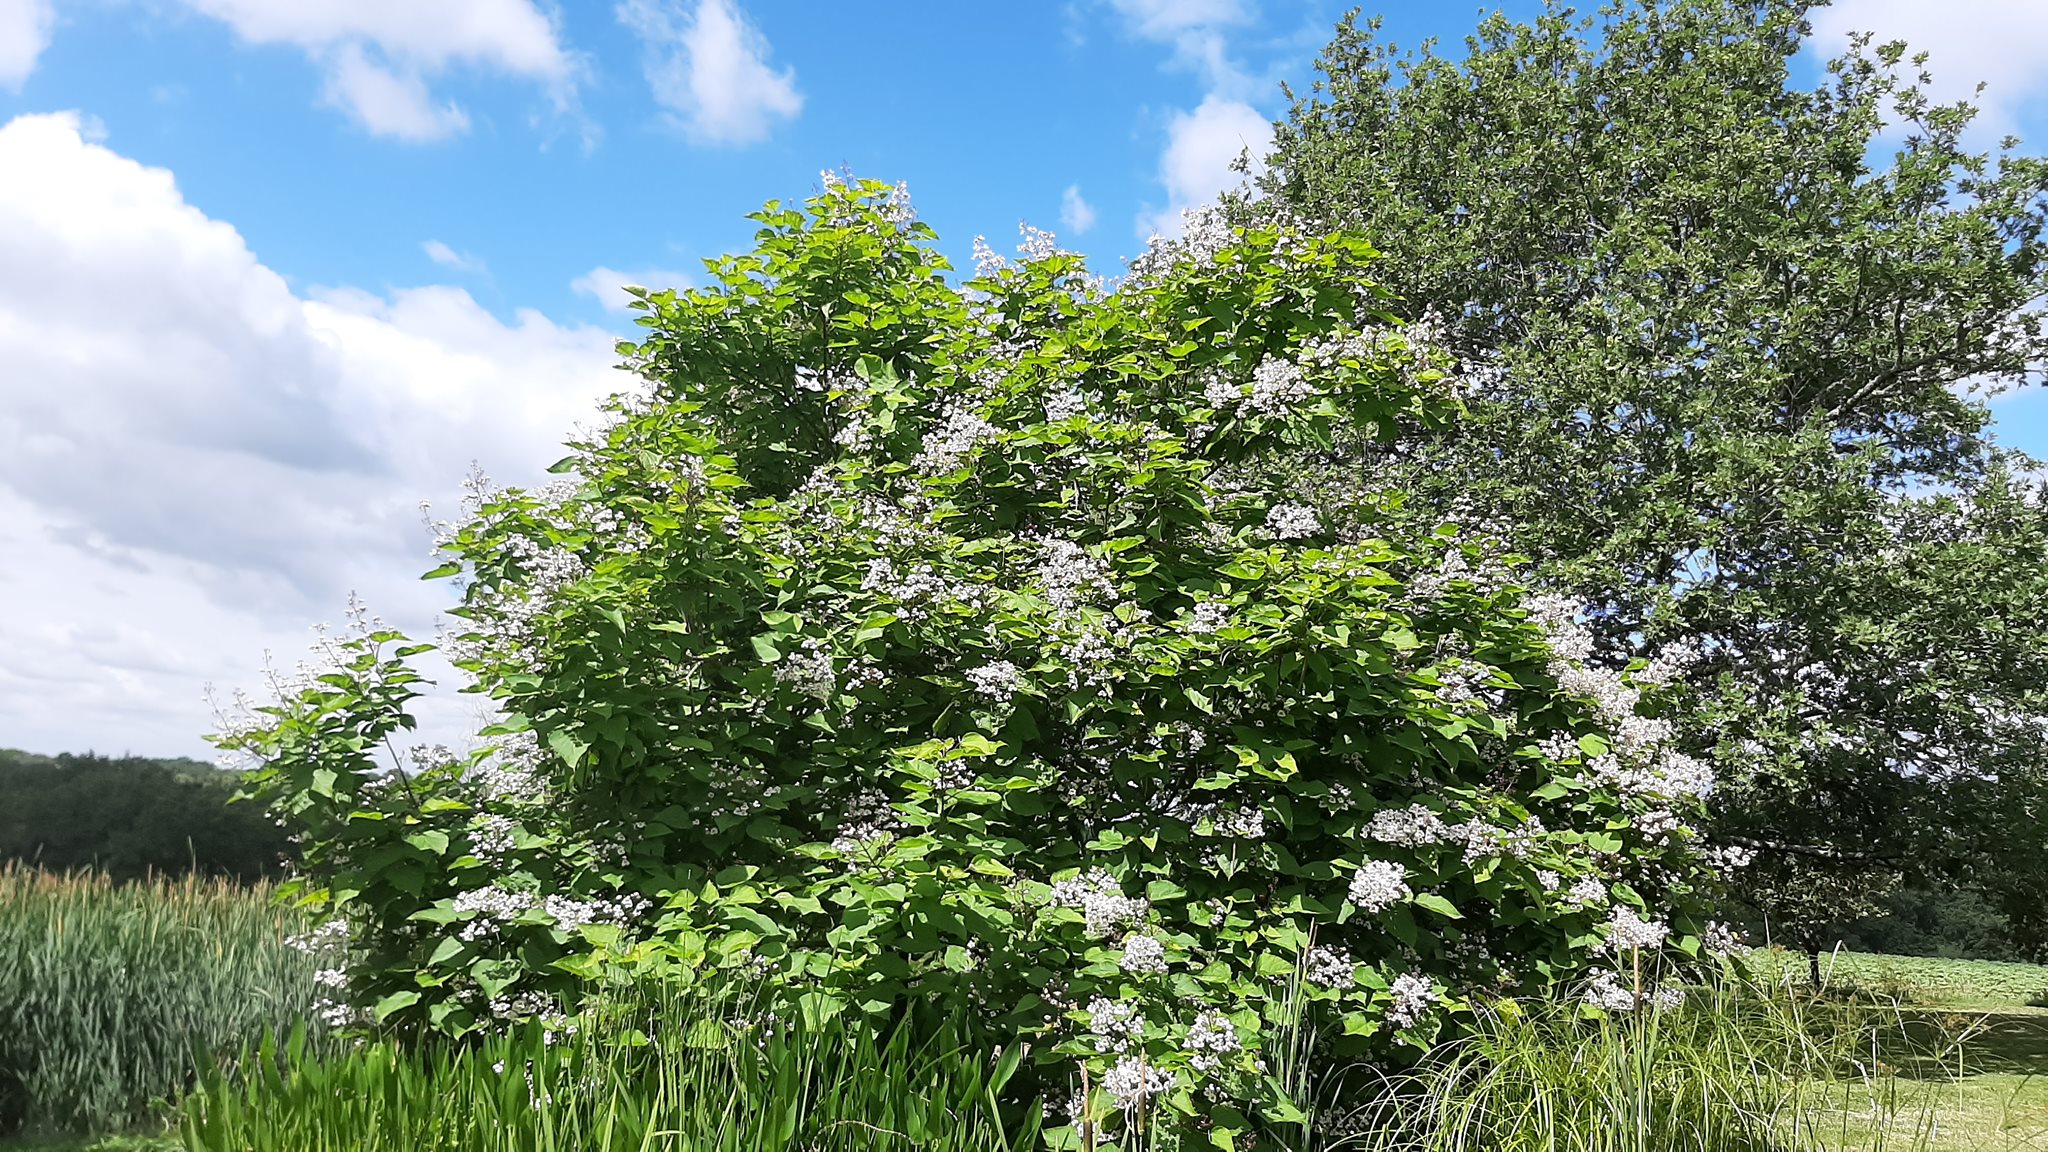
x=1077, y=216
x=196, y=462
x=708, y=67
x=2003, y=43
x=378, y=55
x=1201, y=147
x=24, y=33
x=607, y=285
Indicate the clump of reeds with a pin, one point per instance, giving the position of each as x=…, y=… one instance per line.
x=114, y=996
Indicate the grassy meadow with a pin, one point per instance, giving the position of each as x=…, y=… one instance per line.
x=172, y=1015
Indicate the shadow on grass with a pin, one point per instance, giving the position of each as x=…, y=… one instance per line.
x=1934, y=1044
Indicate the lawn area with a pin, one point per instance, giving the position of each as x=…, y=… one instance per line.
x=1974, y=1046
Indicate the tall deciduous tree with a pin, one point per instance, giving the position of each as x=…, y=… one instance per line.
x=1729, y=338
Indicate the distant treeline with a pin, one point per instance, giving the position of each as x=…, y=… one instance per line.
x=130, y=816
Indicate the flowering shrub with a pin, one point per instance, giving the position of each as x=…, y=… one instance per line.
x=901, y=640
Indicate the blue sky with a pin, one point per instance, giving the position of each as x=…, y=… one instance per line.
x=274, y=271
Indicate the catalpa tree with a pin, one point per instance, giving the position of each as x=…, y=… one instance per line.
x=901, y=642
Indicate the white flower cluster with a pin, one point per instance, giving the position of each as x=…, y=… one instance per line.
x=1278, y=388
x=492, y=907
x=326, y=936
x=1642, y=763
x=490, y=837
x=1285, y=521
x=809, y=669
x=1069, y=574
x=1726, y=858
x=1211, y=1039
x=1100, y=900
x=1411, y=827
x=513, y=774
x=1379, y=885
x=948, y=441
x=1208, y=618
x=1144, y=955
x=1204, y=232
x=1412, y=996
x=870, y=819
x=1722, y=940
x=1586, y=892
x=1671, y=662
x=998, y=680
x=1115, y=1024
x=987, y=261
x=1065, y=404
x=569, y=913
x=1628, y=932
x=1221, y=391
x=1037, y=244
x=921, y=590
x=1609, y=994
x=1329, y=967
x=1130, y=1082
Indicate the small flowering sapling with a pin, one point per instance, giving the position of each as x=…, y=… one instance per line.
x=1001, y=665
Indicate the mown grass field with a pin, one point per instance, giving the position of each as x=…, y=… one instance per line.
x=1973, y=1043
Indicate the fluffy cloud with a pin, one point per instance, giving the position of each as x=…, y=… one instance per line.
x=2003, y=43
x=607, y=285
x=709, y=69
x=1165, y=19
x=196, y=462
x=1077, y=216
x=24, y=33
x=448, y=257
x=1201, y=147
x=377, y=55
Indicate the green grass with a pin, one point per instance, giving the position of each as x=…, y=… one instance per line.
x=1975, y=1039
x=112, y=996
x=686, y=1074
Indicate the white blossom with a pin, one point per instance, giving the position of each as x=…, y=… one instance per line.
x=1143, y=955
x=1412, y=826
x=1100, y=900
x=1117, y=1024
x=1329, y=967
x=1278, y=388
x=809, y=669
x=1130, y=1082
x=1211, y=1039
x=1412, y=996
x=1608, y=993
x=1628, y=932
x=1379, y=885
x=1292, y=522
x=1586, y=892
x=998, y=680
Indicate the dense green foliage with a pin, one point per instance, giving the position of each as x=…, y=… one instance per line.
x=131, y=817
x=907, y=643
x=1730, y=339
x=114, y=996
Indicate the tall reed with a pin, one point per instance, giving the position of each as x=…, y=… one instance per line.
x=680, y=1073
x=114, y=996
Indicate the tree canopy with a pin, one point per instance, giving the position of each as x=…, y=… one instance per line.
x=1730, y=339
x=130, y=816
